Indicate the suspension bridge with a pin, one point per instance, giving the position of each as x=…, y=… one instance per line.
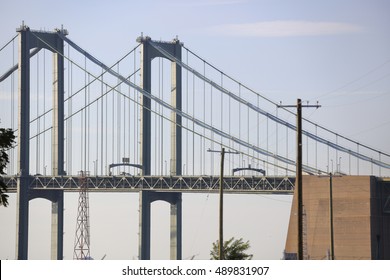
x=146, y=124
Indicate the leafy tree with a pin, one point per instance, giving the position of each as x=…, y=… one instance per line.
x=233, y=250
x=7, y=138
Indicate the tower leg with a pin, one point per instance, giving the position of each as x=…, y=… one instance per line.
x=57, y=227
x=176, y=229
x=176, y=102
x=144, y=226
x=22, y=219
x=23, y=144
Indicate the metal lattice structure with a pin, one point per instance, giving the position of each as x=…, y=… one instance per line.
x=82, y=237
x=205, y=184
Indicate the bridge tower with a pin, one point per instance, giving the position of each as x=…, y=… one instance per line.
x=148, y=53
x=36, y=40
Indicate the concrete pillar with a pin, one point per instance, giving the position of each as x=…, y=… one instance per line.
x=144, y=226
x=57, y=226
x=146, y=198
x=146, y=124
x=176, y=102
x=58, y=109
x=176, y=230
x=23, y=143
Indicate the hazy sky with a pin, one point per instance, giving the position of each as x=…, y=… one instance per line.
x=334, y=52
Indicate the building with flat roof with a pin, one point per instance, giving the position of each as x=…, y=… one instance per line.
x=361, y=218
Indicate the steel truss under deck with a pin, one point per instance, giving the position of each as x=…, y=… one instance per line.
x=202, y=184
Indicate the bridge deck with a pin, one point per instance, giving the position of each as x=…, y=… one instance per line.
x=235, y=184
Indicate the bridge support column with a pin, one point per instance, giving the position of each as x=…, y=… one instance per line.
x=145, y=201
x=57, y=219
x=58, y=109
x=57, y=227
x=23, y=143
x=22, y=215
x=176, y=102
x=28, y=40
x=146, y=123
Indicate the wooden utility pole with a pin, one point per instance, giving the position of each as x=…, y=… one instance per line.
x=223, y=152
x=221, y=253
x=331, y=217
x=298, y=180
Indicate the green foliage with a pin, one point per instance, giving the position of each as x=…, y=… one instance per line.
x=233, y=250
x=7, y=138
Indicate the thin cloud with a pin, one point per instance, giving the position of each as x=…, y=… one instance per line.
x=207, y=3
x=285, y=29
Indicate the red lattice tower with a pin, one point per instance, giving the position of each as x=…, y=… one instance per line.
x=82, y=237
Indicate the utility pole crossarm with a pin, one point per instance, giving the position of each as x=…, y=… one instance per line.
x=302, y=106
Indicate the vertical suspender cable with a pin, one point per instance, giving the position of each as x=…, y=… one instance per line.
x=258, y=124
x=212, y=133
x=113, y=128
x=203, y=143
x=101, y=125
x=97, y=159
x=222, y=113
x=316, y=143
x=106, y=140
x=119, y=123
x=160, y=152
x=193, y=125
x=267, y=144
x=129, y=128
x=125, y=130
x=184, y=171
x=82, y=125
x=68, y=121
x=247, y=127
x=135, y=143
x=221, y=105
x=162, y=112
x=277, y=142
x=357, y=159
x=307, y=150
x=231, y=159
x=239, y=122
x=85, y=115
x=44, y=109
x=328, y=168
x=337, y=155
x=12, y=155
x=156, y=136
x=286, y=149
x=38, y=120
x=71, y=121
x=87, y=138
